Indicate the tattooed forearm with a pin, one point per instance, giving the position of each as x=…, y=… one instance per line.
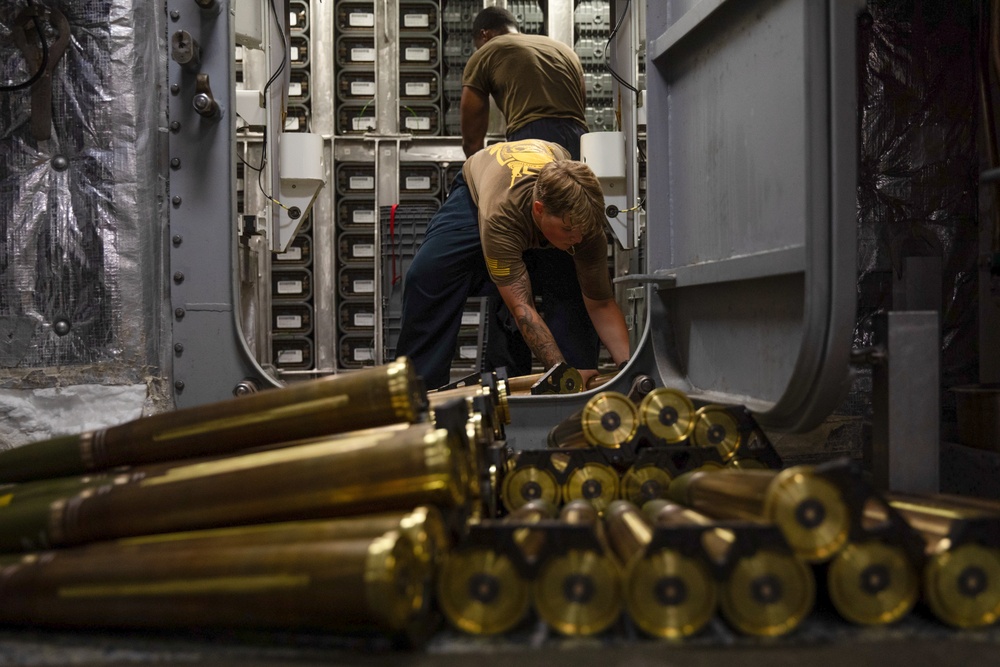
x=534, y=330
x=538, y=337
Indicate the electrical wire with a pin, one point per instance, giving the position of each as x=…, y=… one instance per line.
x=634, y=208
x=270, y=81
x=607, y=48
x=9, y=88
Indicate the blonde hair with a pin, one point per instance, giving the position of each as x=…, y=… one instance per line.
x=569, y=189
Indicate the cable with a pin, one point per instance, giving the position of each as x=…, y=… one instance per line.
x=270, y=81
x=634, y=208
x=41, y=69
x=607, y=48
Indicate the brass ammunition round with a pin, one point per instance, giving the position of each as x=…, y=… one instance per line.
x=394, y=577
x=570, y=382
x=495, y=417
x=594, y=482
x=745, y=464
x=669, y=595
x=503, y=402
x=424, y=526
x=810, y=513
x=933, y=516
x=596, y=381
x=609, y=419
x=872, y=583
x=767, y=594
x=580, y=513
x=528, y=483
x=640, y=485
x=628, y=531
x=715, y=541
x=533, y=511
x=481, y=593
x=521, y=384
x=335, y=404
x=31, y=523
x=716, y=427
x=668, y=414
x=807, y=508
x=578, y=593
x=331, y=585
x=661, y=512
x=339, y=476
x=962, y=585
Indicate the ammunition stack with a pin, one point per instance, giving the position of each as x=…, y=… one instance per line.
x=361, y=502
x=632, y=446
x=323, y=505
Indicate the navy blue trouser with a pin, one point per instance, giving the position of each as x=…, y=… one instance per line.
x=449, y=267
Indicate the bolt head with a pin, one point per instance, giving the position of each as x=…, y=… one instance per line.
x=179, y=385
x=178, y=313
x=60, y=163
x=61, y=326
x=177, y=239
x=178, y=348
x=175, y=88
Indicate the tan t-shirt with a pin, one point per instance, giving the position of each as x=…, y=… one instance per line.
x=554, y=88
x=501, y=180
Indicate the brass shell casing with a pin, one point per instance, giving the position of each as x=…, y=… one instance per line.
x=609, y=419
x=353, y=584
x=643, y=484
x=570, y=382
x=335, y=404
x=390, y=469
x=668, y=413
x=808, y=509
x=480, y=591
x=579, y=593
x=424, y=526
x=666, y=593
x=715, y=541
x=594, y=482
x=628, y=531
x=960, y=582
x=767, y=594
x=522, y=485
x=962, y=585
x=498, y=416
x=872, y=583
x=715, y=427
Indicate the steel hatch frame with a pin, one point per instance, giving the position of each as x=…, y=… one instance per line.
x=752, y=243
x=751, y=222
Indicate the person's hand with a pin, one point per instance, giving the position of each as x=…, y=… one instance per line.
x=586, y=374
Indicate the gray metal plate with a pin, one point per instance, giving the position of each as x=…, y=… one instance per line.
x=751, y=177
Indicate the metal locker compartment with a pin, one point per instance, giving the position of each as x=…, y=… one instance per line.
x=750, y=230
